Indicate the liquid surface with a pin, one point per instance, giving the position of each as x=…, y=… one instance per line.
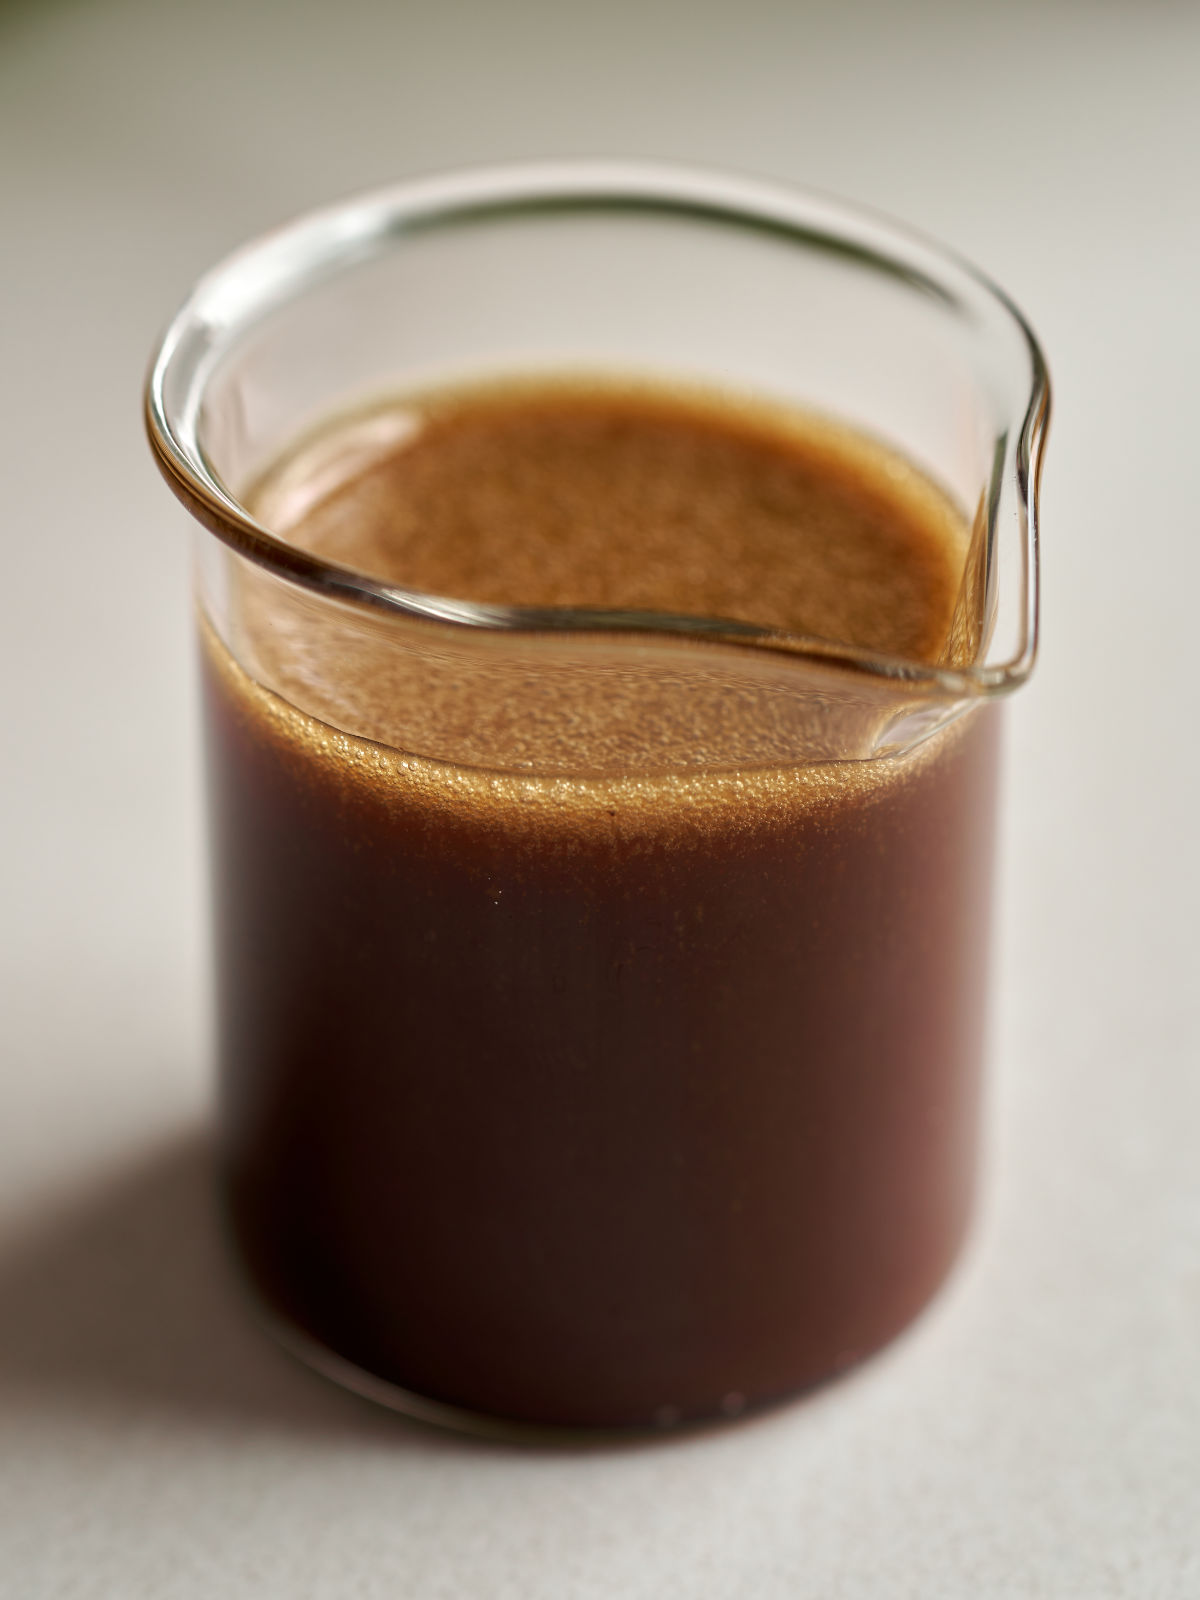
x=610, y=1100
x=632, y=499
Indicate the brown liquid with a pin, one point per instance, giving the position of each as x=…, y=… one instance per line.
x=610, y=1100
x=632, y=499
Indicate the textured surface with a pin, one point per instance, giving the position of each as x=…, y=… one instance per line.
x=1038, y=1433
x=671, y=505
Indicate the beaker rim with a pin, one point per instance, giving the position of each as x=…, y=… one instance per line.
x=284, y=263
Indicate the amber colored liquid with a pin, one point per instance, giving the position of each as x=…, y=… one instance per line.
x=618, y=1103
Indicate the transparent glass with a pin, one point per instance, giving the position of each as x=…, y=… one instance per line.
x=601, y=998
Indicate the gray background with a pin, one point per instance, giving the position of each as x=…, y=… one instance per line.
x=1039, y=1432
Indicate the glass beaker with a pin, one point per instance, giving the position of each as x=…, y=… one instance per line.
x=635, y=1087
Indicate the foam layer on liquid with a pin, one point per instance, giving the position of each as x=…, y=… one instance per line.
x=632, y=498
x=688, y=809
x=622, y=498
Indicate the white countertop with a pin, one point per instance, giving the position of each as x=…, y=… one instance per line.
x=1038, y=1432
